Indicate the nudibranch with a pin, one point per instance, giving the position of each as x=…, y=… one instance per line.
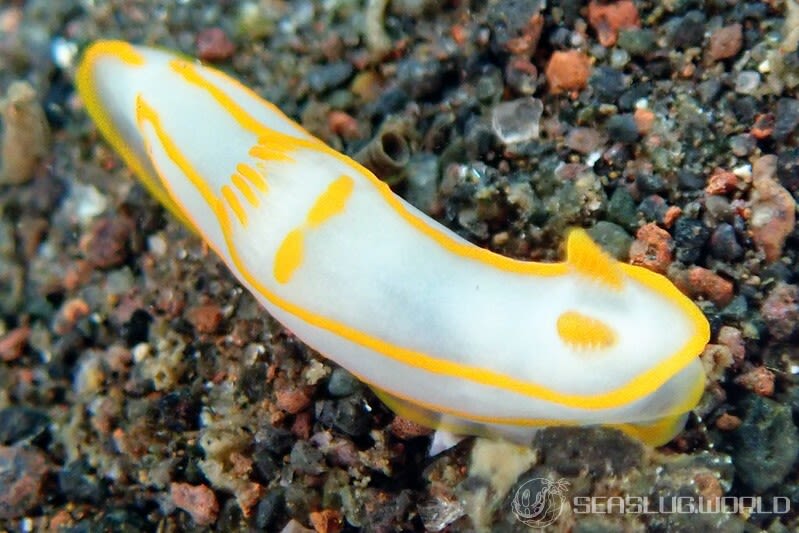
x=447, y=333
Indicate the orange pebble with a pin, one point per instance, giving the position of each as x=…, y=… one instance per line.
x=568, y=71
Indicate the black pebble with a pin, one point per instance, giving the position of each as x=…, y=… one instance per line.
x=724, y=243
x=19, y=423
x=608, y=84
x=137, y=329
x=622, y=128
x=690, y=236
x=80, y=483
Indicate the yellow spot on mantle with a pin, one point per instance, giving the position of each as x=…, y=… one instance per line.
x=289, y=256
x=330, y=203
x=584, y=332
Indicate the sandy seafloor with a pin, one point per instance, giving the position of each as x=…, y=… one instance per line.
x=142, y=389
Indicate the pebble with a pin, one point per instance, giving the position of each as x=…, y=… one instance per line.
x=742, y=145
x=20, y=423
x=591, y=451
x=689, y=180
x=323, y=78
x=277, y=441
x=654, y=208
x=690, y=236
x=721, y=182
x=745, y=108
x=612, y=238
x=205, y=318
x=622, y=210
x=607, y=19
x=619, y=58
x=213, y=44
x=269, y=510
x=348, y=415
x=307, y=459
x=650, y=183
x=724, y=243
x=709, y=90
x=687, y=31
x=652, y=248
x=644, y=120
x=786, y=118
x=584, y=140
x=515, y=26
x=26, y=135
x=197, y=500
x=78, y=481
x=344, y=125
x=766, y=444
x=747, y=82
x=294, y=399
x=701, y=282
x=763, y=126
x=70, y=312
x=719, y=208
x=728, y=422
x=179, y=410
x=12, y=344
x=568, y=71
x=733, y=339
x=22, y=472
x=295, y=527
x=638, y=42
x=405, y=429
x=773, y=209
x=780, y=311
x=716, y=359
x=622, y=128
x=672, y=214
x=518, y=120
x=521, y=75
x=759, y=380
x=608, y=84
x=422, y=181
x=327, y=521
x=489, y=86
x=106, y=244
x=788, y=169
x=725, y=42
x=419, y=78
x=341, y=383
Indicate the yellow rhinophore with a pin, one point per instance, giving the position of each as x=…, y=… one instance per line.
x=449, y=334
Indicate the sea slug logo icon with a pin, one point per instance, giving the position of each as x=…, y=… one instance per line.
x=538, y=502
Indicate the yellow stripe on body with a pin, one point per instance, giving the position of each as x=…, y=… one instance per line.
x=243, y=186
x=84, y=81
x=268, y=153
x=235, y=205
x=253, y=176
x=637, y=387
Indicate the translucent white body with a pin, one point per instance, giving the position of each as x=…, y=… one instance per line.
x=452, y=334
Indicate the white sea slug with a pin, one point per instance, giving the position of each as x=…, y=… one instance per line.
x=447, y=333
